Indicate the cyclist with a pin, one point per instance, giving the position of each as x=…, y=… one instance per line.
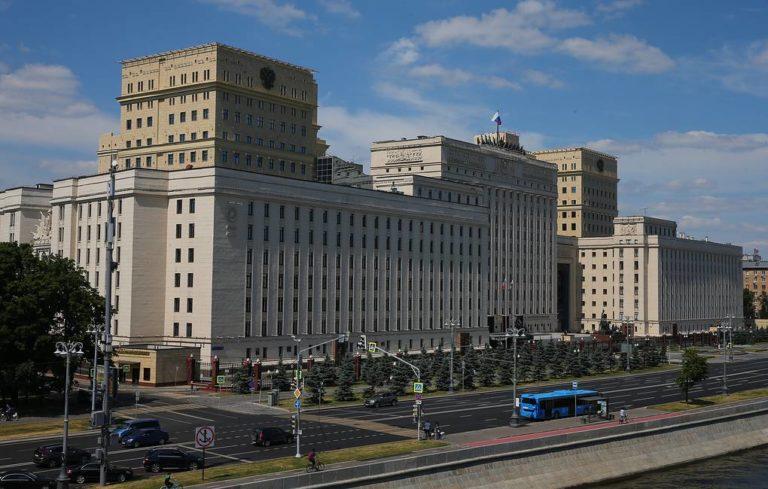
x=312, y=458
x=622, y=416
x=170, y=483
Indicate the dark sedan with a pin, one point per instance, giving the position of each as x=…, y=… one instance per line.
x=90, y=473
x=143, y=438
x=159, y=459
x=23, y=479
x=50, y=456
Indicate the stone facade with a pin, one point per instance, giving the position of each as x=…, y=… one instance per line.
x=215, y=105
x=587, y=191
x=21, y=211
x=662, y=284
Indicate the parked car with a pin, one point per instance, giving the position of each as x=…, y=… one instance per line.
x=146, y=437
x=50, y=456
x=90, y=473
x=159, y=459
x=383, y=399
x=23, y=479
x=269, y=436
x=135, y=424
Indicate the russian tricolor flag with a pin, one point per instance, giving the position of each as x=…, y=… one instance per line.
x=496, y=118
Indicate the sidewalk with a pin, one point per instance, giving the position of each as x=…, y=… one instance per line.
x=543, y=429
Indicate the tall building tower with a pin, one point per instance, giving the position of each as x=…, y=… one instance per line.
x=215, y=105
x=587, y=182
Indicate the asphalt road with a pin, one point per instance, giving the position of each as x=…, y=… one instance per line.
x=472, y=412
x=233, y=441
x=459, y=413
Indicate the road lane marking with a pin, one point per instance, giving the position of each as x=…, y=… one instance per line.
x=192, y=416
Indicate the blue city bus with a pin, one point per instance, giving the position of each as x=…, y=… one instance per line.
x=556, y=404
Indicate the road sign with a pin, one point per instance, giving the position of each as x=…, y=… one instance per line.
x=517, y=402
x=297, y=393
x=418, y=402
x=297, y=404
x=205, y=437
x=575, y=385
x=418, y=387
x=220, y=379
x=418, y=397
x=138, y=396
x=297, y=374
x=372, y=346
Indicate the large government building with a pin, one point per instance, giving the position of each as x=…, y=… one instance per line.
x=235, y=230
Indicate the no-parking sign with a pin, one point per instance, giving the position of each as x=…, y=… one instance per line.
x=205, y=437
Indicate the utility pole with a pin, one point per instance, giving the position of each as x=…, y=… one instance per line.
x=110, y=266
x=629, y=346
x=300, y=381
x=514, y=333
x=452, y=324
x=95, y=332
x=727, y=331
x=373, y=347
x=299, y=385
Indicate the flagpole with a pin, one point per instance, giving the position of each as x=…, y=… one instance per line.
x=497, y=127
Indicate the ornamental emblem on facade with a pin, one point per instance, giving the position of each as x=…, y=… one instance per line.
x=267, y=76
x=41, y=236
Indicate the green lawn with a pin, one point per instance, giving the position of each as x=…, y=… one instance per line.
x=233, y=471
x=711, y=400
x=42, y=428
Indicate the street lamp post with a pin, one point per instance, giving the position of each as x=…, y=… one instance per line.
x=95, y=331
x=66, y=350
x=110, y=266
x=298, y=386
x=452, y=324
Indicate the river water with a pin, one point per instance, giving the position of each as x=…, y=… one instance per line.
x=742, y=470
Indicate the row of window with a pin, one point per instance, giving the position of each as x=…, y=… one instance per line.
x=182, y=159
x=258, y=121
x=281, y=145
x=259, y=160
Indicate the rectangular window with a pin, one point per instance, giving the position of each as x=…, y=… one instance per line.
x=175, y=329
x=191, y=255
x=189, y=330
x=189, y=304
x=170, y=119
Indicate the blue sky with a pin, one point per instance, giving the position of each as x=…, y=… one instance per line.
x=677, y=89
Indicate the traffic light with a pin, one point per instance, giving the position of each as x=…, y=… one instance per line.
x=362, y=342
x=293, y=424
x=293, y=383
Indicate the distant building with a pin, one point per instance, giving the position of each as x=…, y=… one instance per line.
x=332, y=169
x=22, y=210
x=645, y=275
x=587, y=191
x=754, y=270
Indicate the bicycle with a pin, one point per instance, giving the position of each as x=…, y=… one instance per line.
x=171, y=483
x=317, y=467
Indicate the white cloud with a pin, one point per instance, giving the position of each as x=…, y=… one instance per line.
x=702, y=179
x=706, y=139
x=615, y=8
x=402, y=52
x=280, y=16
x=521, y=30
x=68, y=168
x=341, y=7
x=40, y=105
x=456, y=76
x=738, y=68
x=536, y=77
x=621, y=53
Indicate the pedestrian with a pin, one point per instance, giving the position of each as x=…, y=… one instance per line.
x=622, y=416
x=427, y=429
x=438, y=434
